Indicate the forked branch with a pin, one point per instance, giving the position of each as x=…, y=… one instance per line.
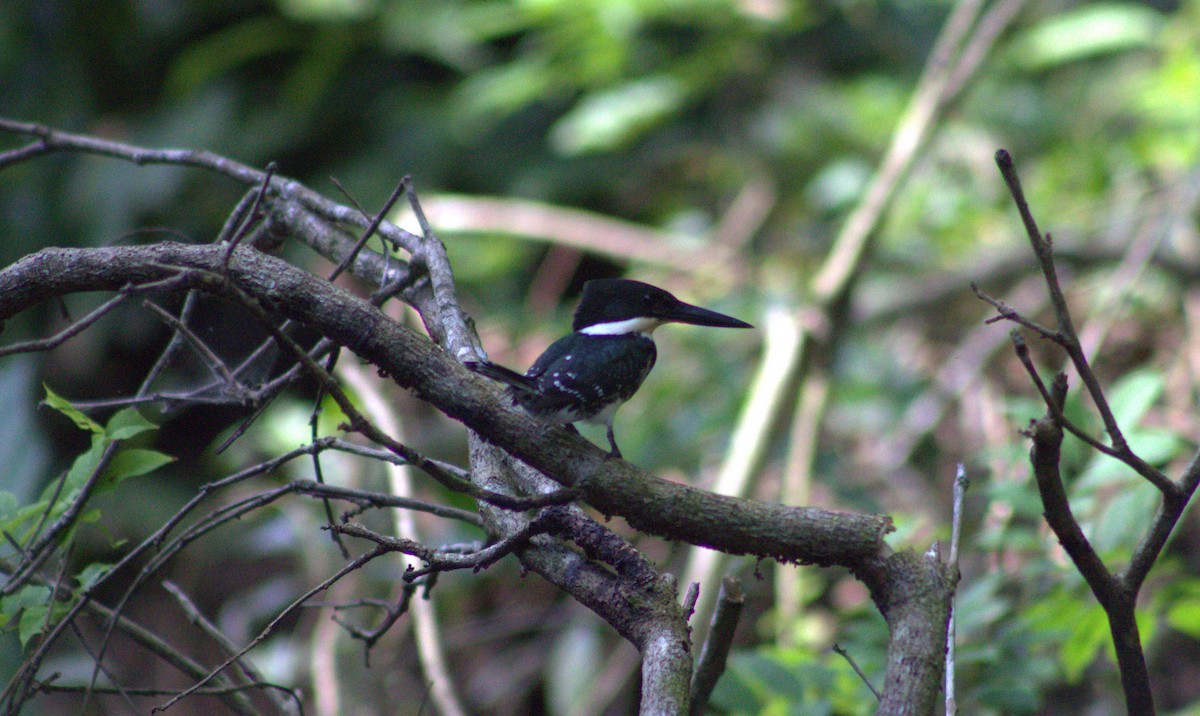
x=1116, y=591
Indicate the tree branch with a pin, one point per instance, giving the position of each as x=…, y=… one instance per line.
x=1117, y=594
x=671, y=510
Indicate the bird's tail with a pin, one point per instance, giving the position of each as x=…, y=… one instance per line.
x=500, y=373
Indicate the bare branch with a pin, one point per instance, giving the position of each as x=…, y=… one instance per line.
x=960, y=490
x=352, y=566
x=210, y=359
x=253, y=679
x=86, y=322
x=633, y=596
x=1066, y=336
x=252, y=215
x=442, y=560
x=713, y=656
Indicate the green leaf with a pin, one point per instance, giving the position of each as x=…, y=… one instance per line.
x=126, y=424
x=33, y=619
x=31, y=603
x=24, y=515
x=134, y=462
x=612, y=118
x=1123, y=519
x=57, y=402
x=1131, y=397
x=1086, y=637
x=499, y=91
x=81, y=469
x=1156, y=446
x=1184, y=613
x=217, y=53
x=27, y=596
x=91, y=574
x=9, y=504
x=1089, y=31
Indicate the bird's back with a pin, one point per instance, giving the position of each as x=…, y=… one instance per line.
x=582, y=376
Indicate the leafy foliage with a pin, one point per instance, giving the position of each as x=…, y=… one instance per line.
x=36, y=607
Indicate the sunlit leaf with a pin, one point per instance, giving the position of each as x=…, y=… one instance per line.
x=1088, y=31
x=612, y=118
x=1131, y=397
x=1087, y=635
x=1185, y=617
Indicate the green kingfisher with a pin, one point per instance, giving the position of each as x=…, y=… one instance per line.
x=587, y=374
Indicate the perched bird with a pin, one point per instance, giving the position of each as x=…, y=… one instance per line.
x=589, y=373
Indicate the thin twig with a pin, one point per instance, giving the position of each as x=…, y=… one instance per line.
x=1068, y=339
x=960, y=490
x=49, y=141
x=392, y=614
x=79, y=326
x=210, y=359
x=252, y=215
x=168, y=352
x=1005, y=313
x=837, y=649
x=431, y=651
x=270, y=628
x=443, y=560
x=314, y=434
x=1066, y=335
x=252, y=676
x=372, y=227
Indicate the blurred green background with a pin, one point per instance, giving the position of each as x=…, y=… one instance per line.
x=745, y=130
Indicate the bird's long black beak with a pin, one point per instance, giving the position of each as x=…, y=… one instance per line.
x=687, y=313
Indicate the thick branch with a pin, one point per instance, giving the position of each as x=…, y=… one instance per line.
x=913, y=593
x=670, y=510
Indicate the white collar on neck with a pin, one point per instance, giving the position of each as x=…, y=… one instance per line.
x=645, y=326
